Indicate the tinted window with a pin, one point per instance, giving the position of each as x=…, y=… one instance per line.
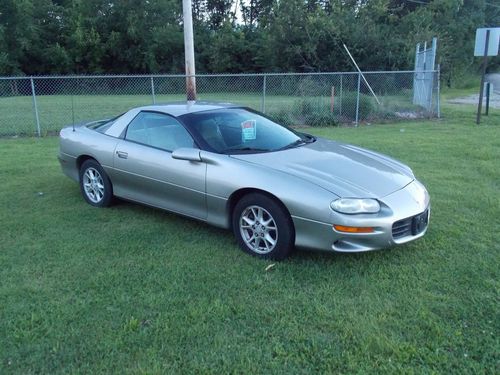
x=158, y=130
x=239, y=130
x=102, y=126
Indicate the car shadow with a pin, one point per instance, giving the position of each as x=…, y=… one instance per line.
x=299, y=255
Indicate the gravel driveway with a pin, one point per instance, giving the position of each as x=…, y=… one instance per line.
x=494, y=79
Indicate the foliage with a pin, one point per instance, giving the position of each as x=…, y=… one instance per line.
x=313, y=111
x=305, y=111
x=321, y=118
x=349, y=103
x=282, y=116
x=102, y=36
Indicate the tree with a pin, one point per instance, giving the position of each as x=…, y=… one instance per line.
x=145, y=36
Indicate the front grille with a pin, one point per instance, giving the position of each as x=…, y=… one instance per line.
x=411, y=225
x=402, y=228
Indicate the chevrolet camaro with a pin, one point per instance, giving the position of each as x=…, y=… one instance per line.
x=276, y=188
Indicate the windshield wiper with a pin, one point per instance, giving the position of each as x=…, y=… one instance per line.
x=310, y=137
x=225, y=151
x=298, y=142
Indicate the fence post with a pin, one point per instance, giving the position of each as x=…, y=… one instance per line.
x=263, y=101
x=357, y=99
x=487, y=109
x=340, y=100
x=439, y=91
x=153, y=90
x=35, y=107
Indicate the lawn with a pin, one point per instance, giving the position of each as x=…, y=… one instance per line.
x=131, y=289
x=56, y=111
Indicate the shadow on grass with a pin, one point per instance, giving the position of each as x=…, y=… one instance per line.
x=220, y=243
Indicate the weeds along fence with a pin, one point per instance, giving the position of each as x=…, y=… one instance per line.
x=43, y=105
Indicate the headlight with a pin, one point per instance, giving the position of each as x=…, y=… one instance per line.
x=355, y=206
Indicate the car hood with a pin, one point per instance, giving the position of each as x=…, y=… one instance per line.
x=345, y=170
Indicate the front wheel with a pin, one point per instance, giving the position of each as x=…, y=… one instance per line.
x=95, y=185
x=263, y=227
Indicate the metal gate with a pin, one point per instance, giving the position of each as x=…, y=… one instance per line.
x=423, y=80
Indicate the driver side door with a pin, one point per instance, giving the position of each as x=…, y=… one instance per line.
x=144, y=170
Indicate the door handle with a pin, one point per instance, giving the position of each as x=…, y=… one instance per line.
x=122, y=154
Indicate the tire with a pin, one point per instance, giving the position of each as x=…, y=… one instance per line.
x=95, y=185
x=263, y=227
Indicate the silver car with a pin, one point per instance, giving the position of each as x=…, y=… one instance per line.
x=232, y=167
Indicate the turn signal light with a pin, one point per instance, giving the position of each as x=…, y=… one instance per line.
x=346, y=229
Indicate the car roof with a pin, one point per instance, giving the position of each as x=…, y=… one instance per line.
x=175, y=109
x=182, y=108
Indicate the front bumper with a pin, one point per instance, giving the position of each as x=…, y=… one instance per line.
x=399, y=207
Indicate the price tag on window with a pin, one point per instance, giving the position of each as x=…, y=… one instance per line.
x=249, y=130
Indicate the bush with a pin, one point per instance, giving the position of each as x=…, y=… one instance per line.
x=281, y=116
x=314, y=112
x=311, y=86
x=305, y=106
x=306, y=111
x=321, y=118
x=366, y=106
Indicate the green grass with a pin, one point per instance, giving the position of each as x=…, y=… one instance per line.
x=132, y=289
x=56, y=111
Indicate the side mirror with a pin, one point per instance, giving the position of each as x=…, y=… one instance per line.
x=186, y=153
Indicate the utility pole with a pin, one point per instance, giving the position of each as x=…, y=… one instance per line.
x=189, y=50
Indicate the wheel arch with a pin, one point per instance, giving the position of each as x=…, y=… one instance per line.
x=83, y=158
x=240, y=193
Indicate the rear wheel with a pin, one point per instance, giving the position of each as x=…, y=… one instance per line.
x=263, y=227
x=95, y=184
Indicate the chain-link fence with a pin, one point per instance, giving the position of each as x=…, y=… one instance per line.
x=43, y=105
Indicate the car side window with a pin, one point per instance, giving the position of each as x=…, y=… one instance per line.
x=158, y=130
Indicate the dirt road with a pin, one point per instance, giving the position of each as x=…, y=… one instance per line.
x=494, y=79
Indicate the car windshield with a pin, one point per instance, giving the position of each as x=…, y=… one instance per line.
x=239, y=130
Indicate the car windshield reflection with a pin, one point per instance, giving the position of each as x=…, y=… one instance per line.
x=239, y=130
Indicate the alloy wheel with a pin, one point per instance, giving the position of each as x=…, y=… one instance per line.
x=258, y=229
x=93, y=185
